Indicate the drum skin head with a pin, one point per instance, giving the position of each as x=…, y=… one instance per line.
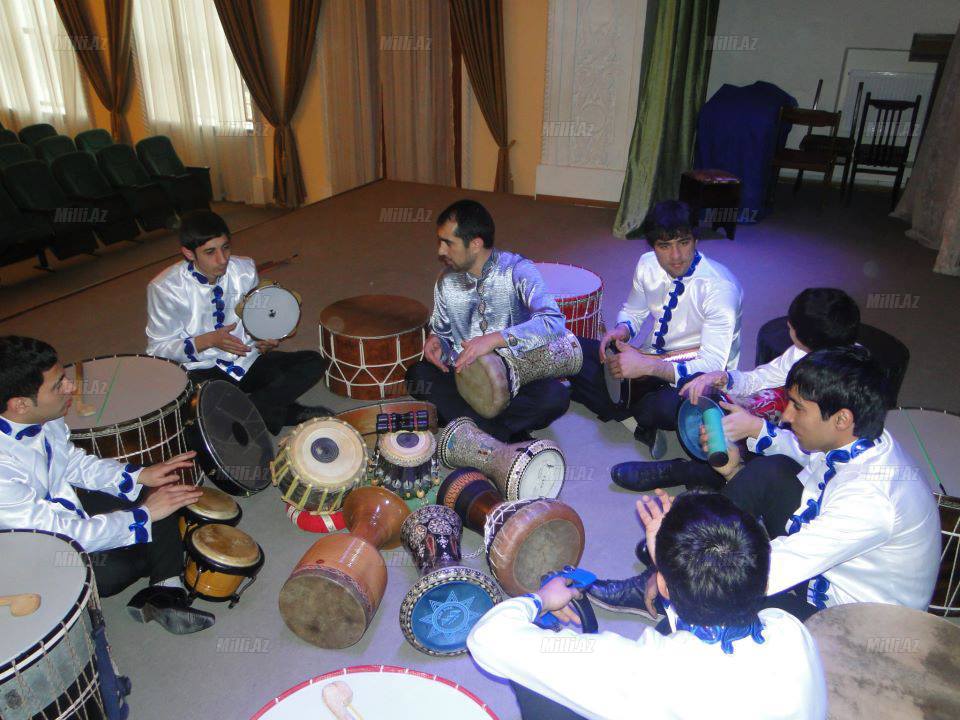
x=485, y=385
x=270, y=312
x=408, y=449
x=215, y=505
x=225, y=544
x=327, y=453
x=323, y=610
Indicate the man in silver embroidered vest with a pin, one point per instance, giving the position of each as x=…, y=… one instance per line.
x=486, y=299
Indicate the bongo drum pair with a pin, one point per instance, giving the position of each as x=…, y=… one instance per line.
x=219, y=559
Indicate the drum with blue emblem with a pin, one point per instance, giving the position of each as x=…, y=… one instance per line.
x=446, y=602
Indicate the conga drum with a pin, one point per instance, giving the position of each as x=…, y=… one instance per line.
x=405, y=463
x=530, y=469
x=370, y=341
x=318, y=464
x=269, y=312
x=219, y=559
x=626, y=392
x=334, y=591
x=131, y=408
x=442, y=607
x=888, y=662
x=490, y=382
x=524, y=539
x=368, y=420
x=579, y=295
x=214, y=506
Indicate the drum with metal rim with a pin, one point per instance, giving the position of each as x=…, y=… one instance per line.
x=270, y=312
x=318, y=464
x=579, y=295
x=529, y=469
x=626, y=392
x=131, y=408
x=214, y=506
x=404, y=463
x=446, y=602
x=219, y=559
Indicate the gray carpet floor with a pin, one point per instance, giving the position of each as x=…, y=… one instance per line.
x=344, y=249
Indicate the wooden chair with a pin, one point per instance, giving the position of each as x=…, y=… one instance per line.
x=822, y=159
x=843, y=146
x=880, y=153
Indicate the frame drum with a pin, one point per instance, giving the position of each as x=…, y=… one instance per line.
x=219, y=557
x=579, y=294
x=214, y=506
x=270, y=312
x=626, y=392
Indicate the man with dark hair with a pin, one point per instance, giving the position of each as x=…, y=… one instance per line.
x=818, y=318
x=192, y=319
x=852, y=517
x=47, y=483
x=694, y=303
x=486, y=300
x=713, y=561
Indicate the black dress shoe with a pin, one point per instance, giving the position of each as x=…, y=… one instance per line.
x=170, y=607
x=624, y=596
x=647, y=476
x=298, y=413
x=643, y=555
x=655, y=440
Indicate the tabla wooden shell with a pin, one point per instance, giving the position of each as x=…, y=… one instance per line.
x=214, y=506
x=219, y=558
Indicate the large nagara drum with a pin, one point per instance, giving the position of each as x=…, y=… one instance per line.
x=334, y=591
x=579, y=295
x=442, y=607
x=490, y=382
x=524, y=539
x=530, y=469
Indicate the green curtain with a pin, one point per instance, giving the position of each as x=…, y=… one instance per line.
x=676, y=65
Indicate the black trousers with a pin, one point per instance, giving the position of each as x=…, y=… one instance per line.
x=274, y=382
x=537, y=707
x=536, y=405
x=117, y=569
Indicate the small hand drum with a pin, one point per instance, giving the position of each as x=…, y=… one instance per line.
x=270, y=312
x=626, y=392
x=442, y=607
x=214, y=506
x=219, y=558
x=405, y=464
x=689, y=419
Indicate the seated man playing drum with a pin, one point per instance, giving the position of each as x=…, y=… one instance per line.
x=818, y=318
x=713, y=560
x=192, y=320
x=694, y=303
x=853, y=519
x=42, y=473
x=486, y=299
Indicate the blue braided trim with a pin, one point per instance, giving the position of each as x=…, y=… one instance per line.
x=140, y=517
x=767, y=440
x=66, y=504
x=660, y=335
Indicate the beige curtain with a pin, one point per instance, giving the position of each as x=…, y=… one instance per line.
x=415, y=87
x=351, y=97
x=931, y=200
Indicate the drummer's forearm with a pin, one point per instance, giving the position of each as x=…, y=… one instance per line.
x=203, y=342
x=663, y=370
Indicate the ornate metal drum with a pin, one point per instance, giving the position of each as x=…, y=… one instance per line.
x=132, y=408
x=270, y=312
x=529, y=469
x=579, y=294
x=219, y=559
x=214, y=506
x=626, y=392
x=334, y=591
x=370, y=341
x=490, y=382
x=368, y=420
x=405, y=463
x=524, y=539
x=442, y=607
x=318, y=464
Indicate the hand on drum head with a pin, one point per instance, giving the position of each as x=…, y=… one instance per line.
x=166, y=471
x=703, y=384
x=265, y=346
x=556, y=596
x=478, y=347
x=620, y=332
x=433, y=352
x=221, y=339
x=733, y=452
x=164, y=501
x=652, y=511
x=738, y=423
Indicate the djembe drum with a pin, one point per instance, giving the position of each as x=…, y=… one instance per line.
x=214, y=506
x=442, y=607
x=490, y=382
x=334, y=591
x=530, y=469
x=579, y=295
x=219, y=559
x=524, y=539
x=370, y=341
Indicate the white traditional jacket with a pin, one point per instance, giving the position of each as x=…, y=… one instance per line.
x=764, y=377
x=700, y=309
x=39, y=467
x=870, y=532
x=182, y=304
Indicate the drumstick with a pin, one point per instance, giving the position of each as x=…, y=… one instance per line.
x=338, y=696
x=22, y=604
x=82, y=408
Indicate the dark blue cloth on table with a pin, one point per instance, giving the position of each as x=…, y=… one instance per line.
x=735, y=132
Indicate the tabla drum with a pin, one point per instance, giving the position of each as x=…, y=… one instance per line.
x=888, y=662
x=376, y=691
x=579, y=294
x=233, y=445
x=442, y=607
x=270, y=312
x=318, y=464
x=316, y=521
x=626, y=392
x=490, y=382
x=930, y=437
x=405, y=463
x=524, y=539
x=530, y=469
x=214, y=506
x=131, y=408
x=219, y=559
x=370, y=341
x=334, y=591
x=48, y=665
x=368, y=419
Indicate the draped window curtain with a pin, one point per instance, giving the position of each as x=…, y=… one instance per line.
x=40, y=81
x=676, y=66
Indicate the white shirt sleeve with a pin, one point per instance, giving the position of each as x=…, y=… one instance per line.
x=769, y=375
x=636, y=309
x=109, y=476
x=720, y=326
x=781, y=442
x=166, y=333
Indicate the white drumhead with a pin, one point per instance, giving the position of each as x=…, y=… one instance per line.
x=932, y=437
x=271, y=313
x=123, y=388
x=38, y=563
x=327, y=453
x=543, y=475
x=377, y=691
x=564, y=281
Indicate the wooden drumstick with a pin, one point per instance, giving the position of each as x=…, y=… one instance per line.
x=81, y=408
x=22, y=604
x=338, y=696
